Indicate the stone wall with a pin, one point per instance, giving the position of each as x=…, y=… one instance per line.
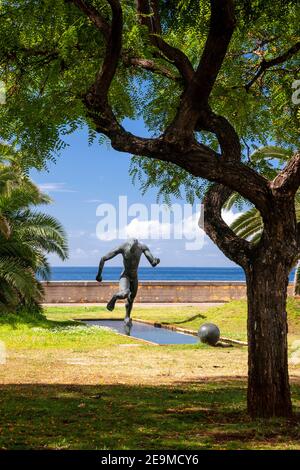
x=149, y=291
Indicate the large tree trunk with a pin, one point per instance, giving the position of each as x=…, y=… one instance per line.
x=268, y=386
x=267, y=265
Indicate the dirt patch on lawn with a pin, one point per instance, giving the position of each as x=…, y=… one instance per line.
x=136, y=365
x=130, y=365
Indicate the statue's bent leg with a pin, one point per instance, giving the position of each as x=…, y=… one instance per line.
x=124, y=289
x=130, y=299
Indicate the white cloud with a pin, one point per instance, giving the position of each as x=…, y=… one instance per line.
x=148, y=229
x=54, y=188
x=93, y=201
x=76, y=233
x=107, y=235
x=78, y=253
x=85, y=255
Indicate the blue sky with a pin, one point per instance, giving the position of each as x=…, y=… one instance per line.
x=86, y=176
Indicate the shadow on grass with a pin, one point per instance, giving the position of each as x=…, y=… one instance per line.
x=194, y=317
x=208, y=415
x=33, y=320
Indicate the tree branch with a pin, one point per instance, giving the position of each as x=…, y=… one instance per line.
x=288, y=180
x=266, y=64
x=149, y=16
x=113, y=36
x=227, y=136
x=102, y=24
x=150, y=65
x=127, y=60
x=112, y=53
x=222, y=24
x=195, y=97
x=235, y=248
x=233, y=174
x=93, y=14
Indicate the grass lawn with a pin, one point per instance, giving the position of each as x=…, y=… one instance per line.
x=68, y=386
x=231, y=317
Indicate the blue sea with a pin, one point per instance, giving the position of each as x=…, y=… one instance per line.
x=88, y=273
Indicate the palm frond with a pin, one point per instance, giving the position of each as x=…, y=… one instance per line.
x=26, y=235
x=248, y=224
x=271, y=152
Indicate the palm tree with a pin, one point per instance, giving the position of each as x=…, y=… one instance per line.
x=249, y=224
x=26, y=235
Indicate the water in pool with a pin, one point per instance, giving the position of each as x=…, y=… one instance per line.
x=147, y=332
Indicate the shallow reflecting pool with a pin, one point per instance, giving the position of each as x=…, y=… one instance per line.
x=147, y=332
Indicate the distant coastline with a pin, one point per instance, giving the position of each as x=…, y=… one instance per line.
x=88, y=273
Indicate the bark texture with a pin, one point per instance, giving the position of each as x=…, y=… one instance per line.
x=268, y=385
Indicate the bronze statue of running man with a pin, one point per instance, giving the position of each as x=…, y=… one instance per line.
x=131, y=251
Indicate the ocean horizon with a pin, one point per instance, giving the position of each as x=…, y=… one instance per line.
x=112, y=273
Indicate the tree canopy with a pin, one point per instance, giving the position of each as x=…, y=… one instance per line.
x=51, y=52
